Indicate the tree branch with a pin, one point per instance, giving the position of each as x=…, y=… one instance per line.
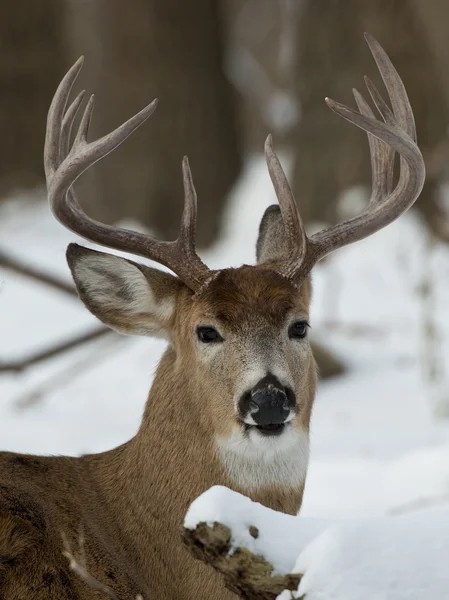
x=20, y=365
x=15, y=265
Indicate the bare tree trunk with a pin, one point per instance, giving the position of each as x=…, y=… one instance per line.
x=171, y=50
x=31, y=61
x=433, y=16
x=260, y=63
x=332, y=59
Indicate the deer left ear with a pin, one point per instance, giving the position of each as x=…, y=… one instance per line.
x=128, y=297
x=271, y=244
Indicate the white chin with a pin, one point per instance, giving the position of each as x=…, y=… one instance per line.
x=253, y=444
x=272, y=443
x=253, y=460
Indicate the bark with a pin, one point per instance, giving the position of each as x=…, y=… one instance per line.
x=31, y=61
x=174, y=51
x=332, y=155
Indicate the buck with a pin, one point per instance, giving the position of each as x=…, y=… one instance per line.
x=232, y=396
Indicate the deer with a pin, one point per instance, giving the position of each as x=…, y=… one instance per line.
x=232, y=396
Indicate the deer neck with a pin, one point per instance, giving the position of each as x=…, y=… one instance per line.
x=174, y=458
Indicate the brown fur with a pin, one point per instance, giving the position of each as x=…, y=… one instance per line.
x=256, y=291
x=130, y=502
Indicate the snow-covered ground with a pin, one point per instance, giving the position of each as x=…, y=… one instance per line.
x=378, y=558
x=380, y=434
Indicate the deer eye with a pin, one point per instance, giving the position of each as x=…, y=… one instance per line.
x=298, y=330
x=208, y=335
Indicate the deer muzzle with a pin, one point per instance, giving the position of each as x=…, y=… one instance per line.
x=268, y=406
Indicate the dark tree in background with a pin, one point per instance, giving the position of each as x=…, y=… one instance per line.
x=31, y=62
x=172, y=50
x=332, y=58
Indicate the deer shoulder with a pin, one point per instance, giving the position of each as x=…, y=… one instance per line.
x=47, y=504
x=29, y=559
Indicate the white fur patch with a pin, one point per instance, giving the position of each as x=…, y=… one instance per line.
x=254, y=461
x=102, y=275
x=113, y=283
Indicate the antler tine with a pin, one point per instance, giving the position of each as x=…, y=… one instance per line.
x=381, y=156
x=396, y=203
x=294, y=227
x=395, y=87
x=186, y=238
x=52, y=146
x=384, y=110
x=67, y=124
x=63, y=166
x=83, y=127
x=188, y=221
x=398, y=134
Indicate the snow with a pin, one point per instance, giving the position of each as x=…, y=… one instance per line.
x=385, y=558
x=380, y=433
x=281, y=537
x=380, y=558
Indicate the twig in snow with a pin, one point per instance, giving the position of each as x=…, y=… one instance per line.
x=64, y=376
x=19, y=366
x=15, y=265
x=419, y=504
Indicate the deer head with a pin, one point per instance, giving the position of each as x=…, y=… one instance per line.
x=240, y=336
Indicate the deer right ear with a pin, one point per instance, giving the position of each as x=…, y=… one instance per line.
x=271, y=244
x=130, y=298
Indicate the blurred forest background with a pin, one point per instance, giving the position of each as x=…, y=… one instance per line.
x=227, y=73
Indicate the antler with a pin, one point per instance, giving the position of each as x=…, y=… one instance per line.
x=395, y=134
x=63, y=165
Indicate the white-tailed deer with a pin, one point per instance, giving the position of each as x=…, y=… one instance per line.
x=233, y=392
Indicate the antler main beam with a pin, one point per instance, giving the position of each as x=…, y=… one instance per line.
x=64, y=164
x=395, y=133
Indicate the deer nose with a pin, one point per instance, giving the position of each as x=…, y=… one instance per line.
x=269, y=403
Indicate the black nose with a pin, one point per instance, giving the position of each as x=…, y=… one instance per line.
x=269, y=403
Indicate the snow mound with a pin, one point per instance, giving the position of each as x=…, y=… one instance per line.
x=381, y=558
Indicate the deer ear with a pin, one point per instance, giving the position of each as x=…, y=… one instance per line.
x=271, y=244
x=128, y=297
